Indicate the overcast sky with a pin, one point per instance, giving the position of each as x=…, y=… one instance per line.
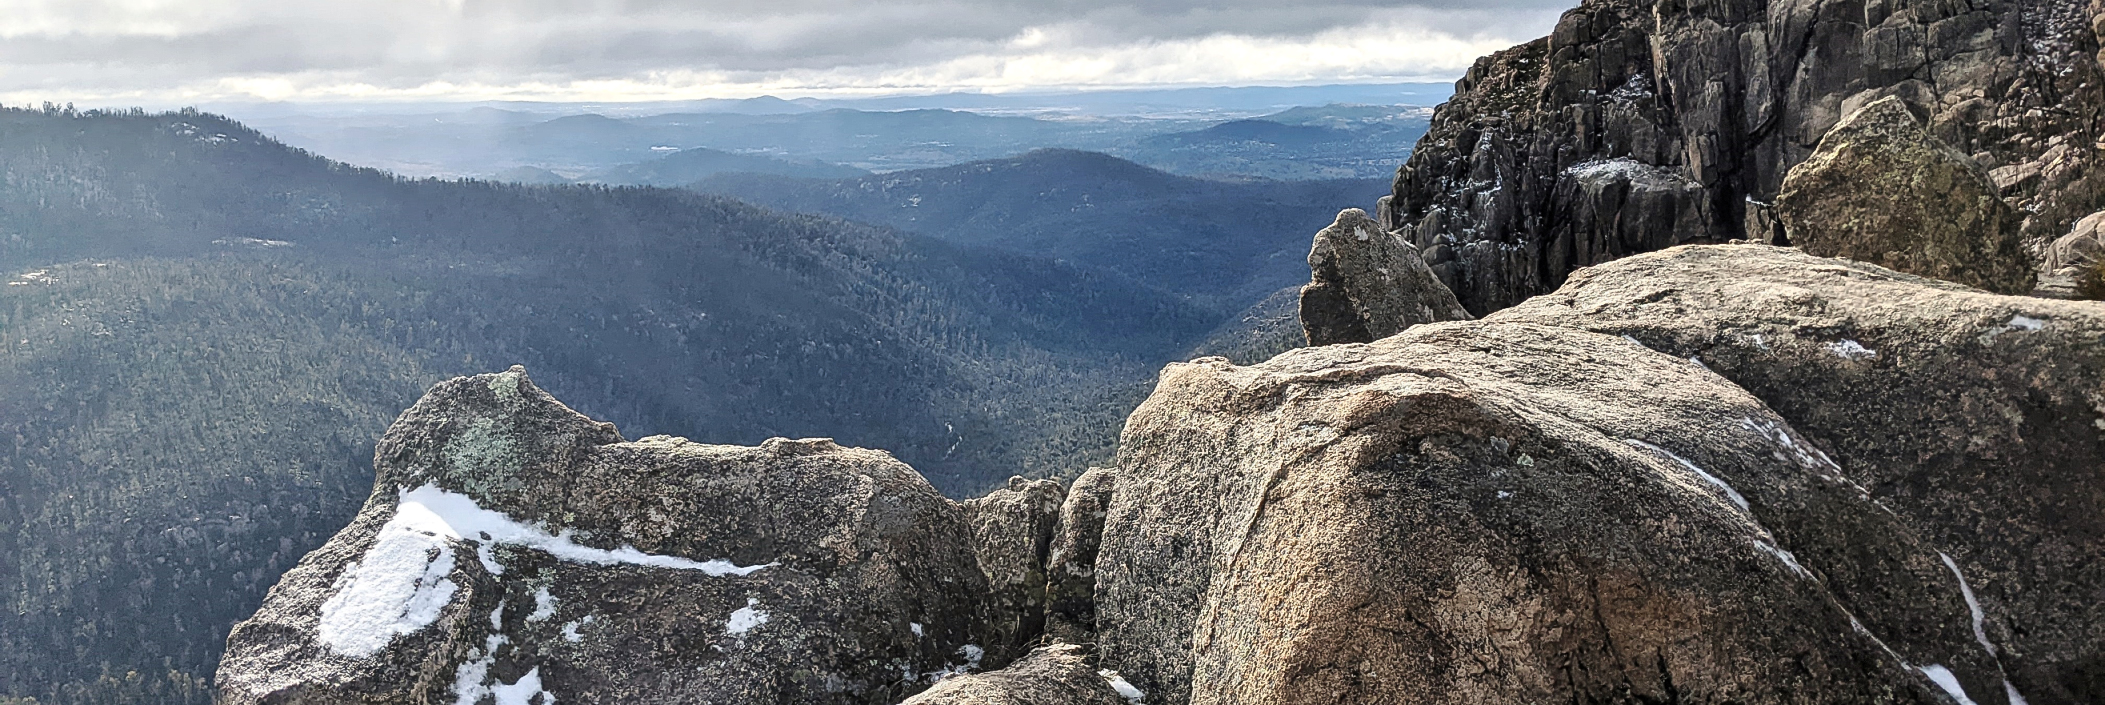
x=158, y=52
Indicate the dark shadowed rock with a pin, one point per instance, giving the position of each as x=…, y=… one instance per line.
x=1880, y=189
x=1471, y=512
x=1366, y=284
x=1070, y=570
x=1718, y=101
x=1059, y=674
x=516, y=550
x=1012, y=534
x=1979, y=419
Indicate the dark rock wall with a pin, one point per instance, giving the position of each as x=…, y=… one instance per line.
x=1638, y=125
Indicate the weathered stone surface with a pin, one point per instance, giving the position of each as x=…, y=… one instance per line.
x=515, y=549
x=2075, y=263
x=1471, y=512
x=1979, y=419
x=1366, y=284
x=2082, y=246
x=1880, y=189
x=1726, y=97
x=1012, y=535
x=1059, y=674
x=1070, y=600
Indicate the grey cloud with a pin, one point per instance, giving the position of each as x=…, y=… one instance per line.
x=409, y=41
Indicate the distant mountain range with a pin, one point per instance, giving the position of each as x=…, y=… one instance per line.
x=1221, y=245
x=1192, y=132
x=684, y=166
x=1215, y=102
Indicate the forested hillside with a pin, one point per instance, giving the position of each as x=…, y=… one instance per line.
x=204, y=330
x=1223, y=245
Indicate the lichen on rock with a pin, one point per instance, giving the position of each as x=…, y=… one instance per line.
x=1880, y=189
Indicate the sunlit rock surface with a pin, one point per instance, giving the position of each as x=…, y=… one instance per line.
x=514, y=551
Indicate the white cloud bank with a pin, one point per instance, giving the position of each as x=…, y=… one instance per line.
x=157, y=51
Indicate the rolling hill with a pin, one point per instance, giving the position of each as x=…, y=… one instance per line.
x=1220, y=245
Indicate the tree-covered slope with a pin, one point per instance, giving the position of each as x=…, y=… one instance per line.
x=690, y=165
x=205, y=330
x=1224, y=245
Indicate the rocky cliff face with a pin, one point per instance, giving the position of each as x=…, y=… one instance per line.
x=517, y=552
x=1640, y=124
x=1979, y=420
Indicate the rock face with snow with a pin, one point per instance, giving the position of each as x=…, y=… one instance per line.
x=514, y=551
x=1475, y=512
x=1880, y=189
x=1012, y=534
x=1706, y=106
x=1070, y=569
x=1366, y=284
x=1979, y=419
x=1059, y=674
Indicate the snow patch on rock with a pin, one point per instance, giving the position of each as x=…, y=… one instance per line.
x=1944, y=679
x=399, y=586
x=1851, y=350
x=745, y=619
x=544, y=605
x=1118, y=683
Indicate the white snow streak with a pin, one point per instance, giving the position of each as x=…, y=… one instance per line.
x=1973, y=606
x=1730, y=493
x=1790, y=560
x=458, y=516
x=1944, y=679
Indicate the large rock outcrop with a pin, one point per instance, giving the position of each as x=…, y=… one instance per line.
x=1702, y=108
x=1366, y=284
x=1012, y=536
x=1059, y=674
x=515, y=550
x=1474, y=512
x=1979, y=419
x=1880, y=189
x=1070, y=569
